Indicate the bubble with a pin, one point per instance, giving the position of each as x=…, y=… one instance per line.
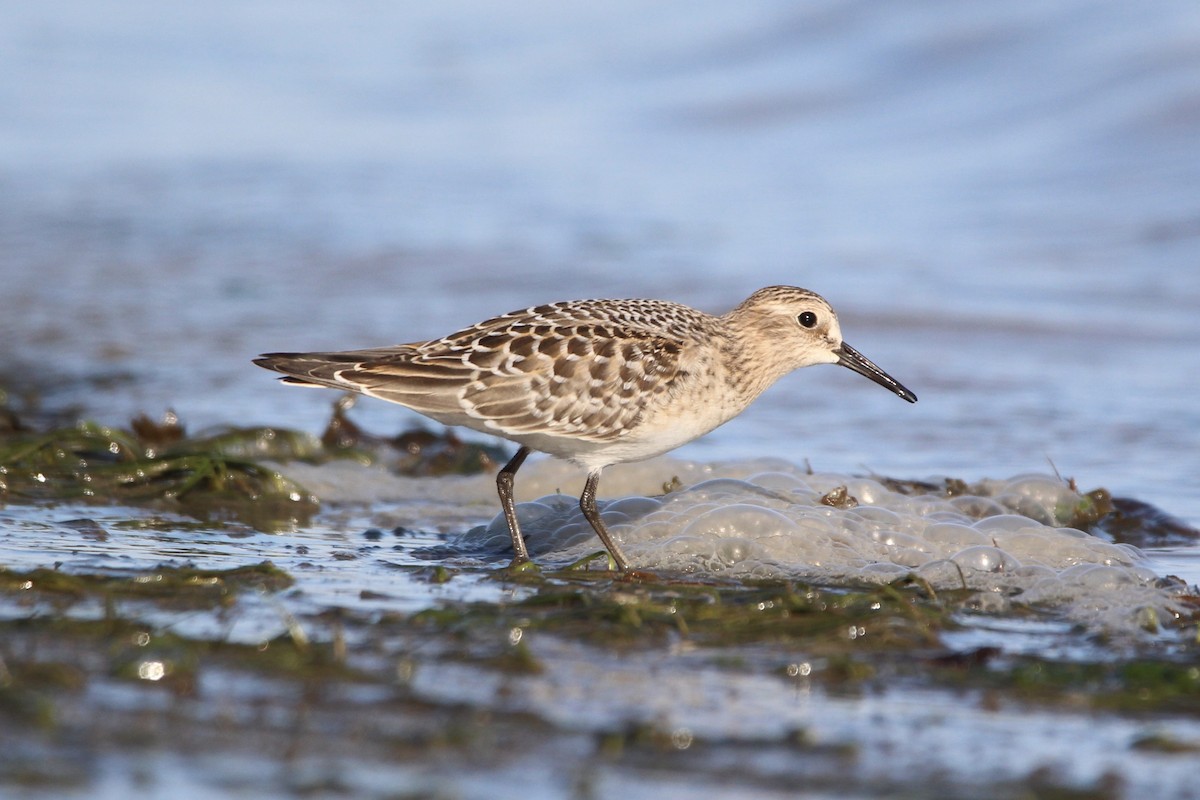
x=741, y=520
x=869, y=492
x=682, y=502
x=1028, y=547
x=985, y=559
x=779, y=481
x=909, y=557
x=688, y=545
x=548, y=504
x=1099, y=577
x=1074, y=533
x=634, y=507
x=1032, y=573
x=657, y=530
x=719, y=488
x=1049, y=490
x=934, y=510
x=1123, y=554
x=809, y=526
x=876, y=518
x=952, y=533
x=613, y=518
x=854, y=543
x=733, y=550
x=1028, y=507
x=1005, y=522
x=897, y=539
x=888, y=572
x=1144, y=574
x=976, y=507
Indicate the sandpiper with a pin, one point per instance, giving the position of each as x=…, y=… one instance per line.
x=597, y=382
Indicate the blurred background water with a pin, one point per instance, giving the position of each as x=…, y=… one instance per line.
x=1000, y=199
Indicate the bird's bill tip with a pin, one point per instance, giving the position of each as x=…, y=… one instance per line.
x=852, y=359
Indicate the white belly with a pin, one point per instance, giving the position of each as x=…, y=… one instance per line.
x=653, y=436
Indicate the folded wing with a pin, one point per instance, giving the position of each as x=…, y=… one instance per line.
x=512, y=375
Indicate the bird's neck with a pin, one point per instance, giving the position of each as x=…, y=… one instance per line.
x=751, y=363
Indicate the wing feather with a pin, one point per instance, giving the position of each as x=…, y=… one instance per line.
x=580, y=370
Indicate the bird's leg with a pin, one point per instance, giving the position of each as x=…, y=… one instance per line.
x=504, y=483
x=587, y=503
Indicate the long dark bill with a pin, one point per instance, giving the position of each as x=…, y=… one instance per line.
x=852, y=359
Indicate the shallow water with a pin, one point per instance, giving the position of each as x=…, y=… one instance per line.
x=750, y=720
x=1000, y=201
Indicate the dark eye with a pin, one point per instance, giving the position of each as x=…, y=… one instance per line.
x=808, y=319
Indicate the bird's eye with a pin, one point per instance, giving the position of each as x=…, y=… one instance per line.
x=807, y=319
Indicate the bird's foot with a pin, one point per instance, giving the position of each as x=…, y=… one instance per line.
x=623, y=571
x=522, y=566
x=586, y=562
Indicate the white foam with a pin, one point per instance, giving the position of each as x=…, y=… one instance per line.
x=1007, y=543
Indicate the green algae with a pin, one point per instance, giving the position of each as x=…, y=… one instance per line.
x=1136, y=684
x=181, y=586
x=216, y=475
x=735, y=615
x=224, y=474
x=847, y=640
x=83, y=652
x=769, y=625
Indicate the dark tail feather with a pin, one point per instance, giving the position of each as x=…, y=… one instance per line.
x=308, y=369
